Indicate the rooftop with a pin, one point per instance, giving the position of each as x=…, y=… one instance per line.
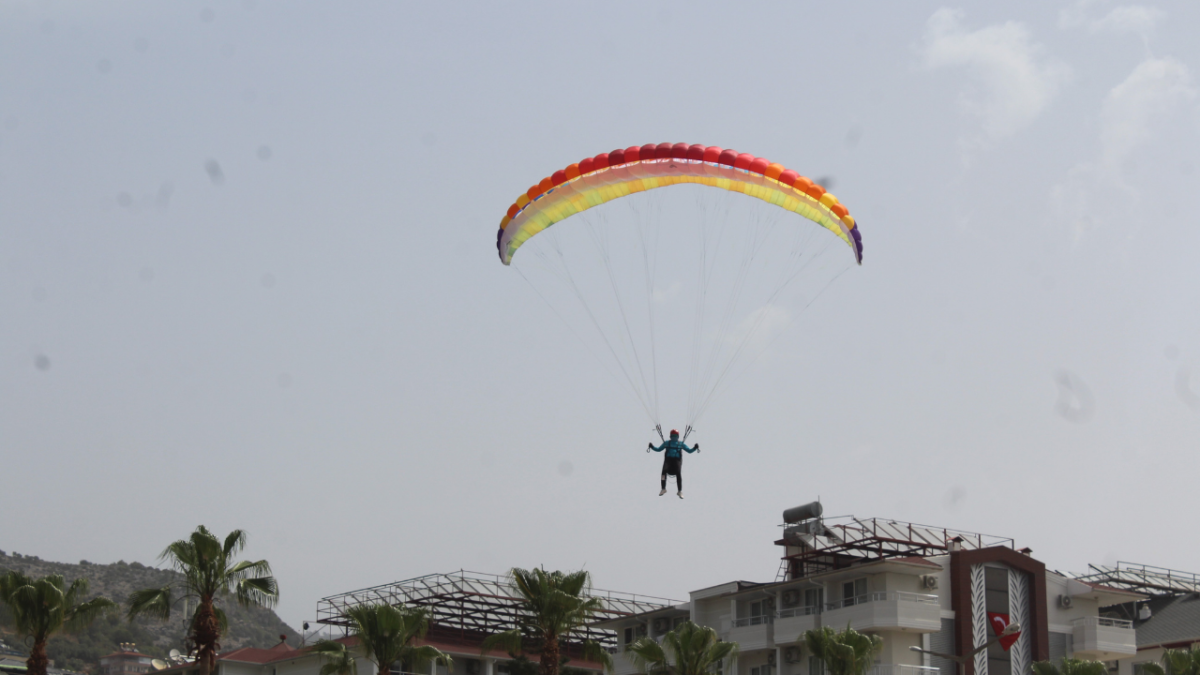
x=475, y=602
x=819, y=544
x=1142, y=578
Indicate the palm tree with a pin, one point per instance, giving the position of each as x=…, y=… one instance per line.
x=45, y=606
x=339, y=660
x=555, y=605
x=693, y=649
x=1176, y=662
x=847, y=652
x=1070, y=667
x=385, y=634
x=207, y=571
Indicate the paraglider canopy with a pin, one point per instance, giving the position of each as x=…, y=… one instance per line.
x=607, y=176
x=732, y=241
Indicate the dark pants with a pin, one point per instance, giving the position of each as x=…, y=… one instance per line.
x=673, y=466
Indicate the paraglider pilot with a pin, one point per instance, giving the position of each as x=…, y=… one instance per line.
x=673, y=461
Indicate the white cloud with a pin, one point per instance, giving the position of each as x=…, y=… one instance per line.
x=1132, y=113
x=1136, y=19
x=1156, y=88
x=1016, y=79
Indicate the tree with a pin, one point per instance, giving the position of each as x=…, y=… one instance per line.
x=339, y=660
x=207, y=572
x=846, y=652
x=556, y=605
x=1176, y=662
x=688, y=650
x=385, y=634
x=45, y=606
x=1070, y=667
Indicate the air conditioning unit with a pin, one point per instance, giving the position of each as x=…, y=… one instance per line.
x=791, y=655
x=929, y=582
x=662, y=625
x=791, y=597
x=1064, y=601
x=770, y=658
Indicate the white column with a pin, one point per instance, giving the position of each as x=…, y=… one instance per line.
x=488, y=665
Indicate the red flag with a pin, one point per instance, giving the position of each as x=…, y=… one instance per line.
x=999, y=623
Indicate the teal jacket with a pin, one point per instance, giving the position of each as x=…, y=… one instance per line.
x=673, y=447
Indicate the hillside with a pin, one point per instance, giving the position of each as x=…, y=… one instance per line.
x=247, y=627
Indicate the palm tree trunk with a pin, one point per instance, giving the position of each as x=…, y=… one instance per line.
x=37, y=661
x=206, y=633
x=550, y=655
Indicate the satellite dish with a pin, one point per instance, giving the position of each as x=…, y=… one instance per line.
x=174, y=654
x=159, y=664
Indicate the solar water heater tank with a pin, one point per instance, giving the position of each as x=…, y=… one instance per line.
x=803, y=512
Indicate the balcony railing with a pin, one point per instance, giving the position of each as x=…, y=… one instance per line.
x=1102, y=621
x=902, y=669
x=760, y=620
x=901, y=596
x=798, y=611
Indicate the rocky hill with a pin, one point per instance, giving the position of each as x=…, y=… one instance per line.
x=255, y=627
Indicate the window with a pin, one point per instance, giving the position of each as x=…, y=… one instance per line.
x=815, y=666
x=814, y=597
x=678, y=621
x=628, y=636
x=853, y=592
x=760, y=670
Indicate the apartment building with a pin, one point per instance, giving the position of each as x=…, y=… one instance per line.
x=933, y=594
x=1169, y=619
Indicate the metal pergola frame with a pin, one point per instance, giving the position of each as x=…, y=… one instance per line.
x=848, y=540
x=1143, y=578
x=476, y=603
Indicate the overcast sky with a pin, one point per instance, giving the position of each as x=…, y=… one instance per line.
x=247, y=279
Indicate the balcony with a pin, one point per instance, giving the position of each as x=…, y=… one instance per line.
x=897, y=610
x=901, y=669
x=790, y=624
x=753, y=632
x=1103, y=639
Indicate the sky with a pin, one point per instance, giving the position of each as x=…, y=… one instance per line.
x=248, y=280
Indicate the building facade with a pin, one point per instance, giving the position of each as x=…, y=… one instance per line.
x=932, y=594
x=939, y=599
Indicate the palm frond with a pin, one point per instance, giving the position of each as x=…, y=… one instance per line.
x=222, y=620
x=152, y=602
x=594, y=651
x=1148, y=668
x=648, y=656
x=234, y=543
x=81, y=616
x=260, y=591
x=337, y=657
x=1047, y=668
x=419, y=656
x=509, y=640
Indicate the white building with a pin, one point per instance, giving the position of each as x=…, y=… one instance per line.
x=1170, y=619
x=918, y=587
x=933, y=594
